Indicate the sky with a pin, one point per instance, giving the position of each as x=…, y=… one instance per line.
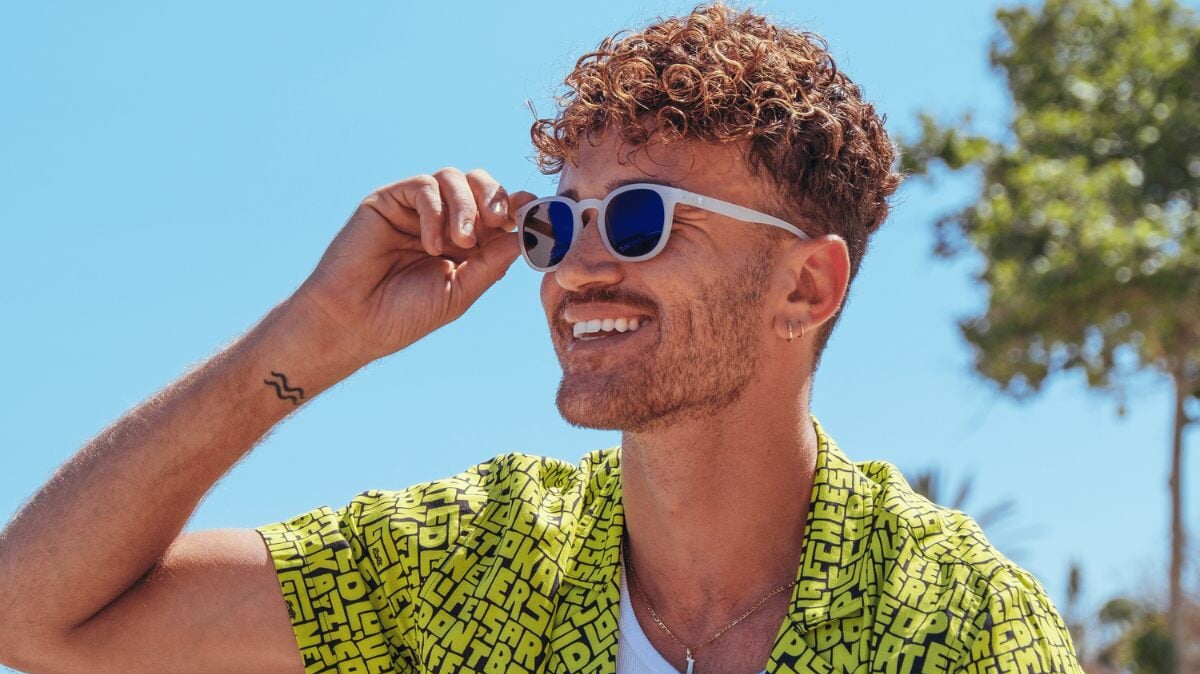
x=173, y=171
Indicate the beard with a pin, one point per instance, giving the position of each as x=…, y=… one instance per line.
x=696, y=368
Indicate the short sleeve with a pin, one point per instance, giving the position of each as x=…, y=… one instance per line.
x=339, y=605
x=1018, y=630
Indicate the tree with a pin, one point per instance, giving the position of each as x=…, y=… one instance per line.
x=1142, y=643
x=1129, y=633
x=1088, y=220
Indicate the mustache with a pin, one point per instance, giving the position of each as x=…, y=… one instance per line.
x=612, y=295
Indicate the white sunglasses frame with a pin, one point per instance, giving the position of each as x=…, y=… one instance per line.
x=670, y=197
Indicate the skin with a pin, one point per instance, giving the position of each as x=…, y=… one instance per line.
x=717, y=449
x=95, y=574
x=717, y=379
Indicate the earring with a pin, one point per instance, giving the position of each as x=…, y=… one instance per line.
x=789, y=323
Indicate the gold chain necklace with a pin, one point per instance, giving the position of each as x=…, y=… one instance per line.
x=688, y=650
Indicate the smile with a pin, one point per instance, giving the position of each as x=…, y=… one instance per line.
x=587, y=338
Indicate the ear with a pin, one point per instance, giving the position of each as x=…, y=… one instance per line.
x=817, y=274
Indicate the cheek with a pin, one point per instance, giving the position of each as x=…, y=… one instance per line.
x=697, y=251
x=547, y=293
x=689, y=265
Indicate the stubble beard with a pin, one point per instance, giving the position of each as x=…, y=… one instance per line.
x=702, y=367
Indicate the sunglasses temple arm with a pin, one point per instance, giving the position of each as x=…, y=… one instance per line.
x=774, y=222
x=740, y=212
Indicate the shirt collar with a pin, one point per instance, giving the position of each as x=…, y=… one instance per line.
x=593, y=553
x=832, y=580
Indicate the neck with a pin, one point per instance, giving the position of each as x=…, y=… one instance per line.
x=715, y=508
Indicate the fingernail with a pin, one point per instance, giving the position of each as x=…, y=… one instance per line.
x=499, y=201
x=467, y=227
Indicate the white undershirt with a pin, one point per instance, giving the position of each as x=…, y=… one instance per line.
x=635, y=653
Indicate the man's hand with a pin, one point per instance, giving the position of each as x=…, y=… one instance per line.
x=413, y=257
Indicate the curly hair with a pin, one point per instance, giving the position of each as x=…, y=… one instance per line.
x=724, y=76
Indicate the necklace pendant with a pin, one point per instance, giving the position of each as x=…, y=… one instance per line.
x=691, y=662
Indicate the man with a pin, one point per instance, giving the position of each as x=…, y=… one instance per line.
x=719, y=181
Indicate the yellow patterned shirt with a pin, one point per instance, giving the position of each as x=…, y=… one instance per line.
x=513, y=566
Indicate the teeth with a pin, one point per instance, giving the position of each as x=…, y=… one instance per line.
x=597, y=325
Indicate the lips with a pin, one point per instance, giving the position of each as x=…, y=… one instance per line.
x=605, y=340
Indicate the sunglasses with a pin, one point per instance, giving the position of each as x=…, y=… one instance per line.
x=634, y=220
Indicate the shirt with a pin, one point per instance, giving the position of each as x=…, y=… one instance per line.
x=513, y=565
x=635, y=653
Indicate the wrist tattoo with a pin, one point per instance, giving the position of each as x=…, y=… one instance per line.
x=285, y=392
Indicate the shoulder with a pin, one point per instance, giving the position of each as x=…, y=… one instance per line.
x=412, y=526
x=517, y=476
x=933, y=558
x=1018, y=628
x=917, y=526
x=503, y=491
x=361, y=581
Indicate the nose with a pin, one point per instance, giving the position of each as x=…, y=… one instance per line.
x=588, y=262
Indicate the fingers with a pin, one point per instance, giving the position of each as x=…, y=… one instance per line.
x=398, y=202
x=482, y=269
x=456, y=212
x=427, y=201
x=461, y=211
x=491, y=198
x=516, y=201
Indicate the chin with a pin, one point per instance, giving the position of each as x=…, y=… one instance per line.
x=584, y=402
x=589, y=405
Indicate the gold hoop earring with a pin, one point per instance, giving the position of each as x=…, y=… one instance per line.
x=789, y=323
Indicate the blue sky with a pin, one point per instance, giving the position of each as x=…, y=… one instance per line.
x=172, y=171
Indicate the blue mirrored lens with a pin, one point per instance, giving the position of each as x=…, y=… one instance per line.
x=634, y=221
x=547, y=231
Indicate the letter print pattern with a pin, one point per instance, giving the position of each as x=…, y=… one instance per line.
x=513, y=566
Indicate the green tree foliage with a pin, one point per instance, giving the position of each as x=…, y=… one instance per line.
x=1142, y=644
x=1128, y=633
x=1088, y=220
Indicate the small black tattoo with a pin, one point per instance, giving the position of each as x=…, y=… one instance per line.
x=279, y=391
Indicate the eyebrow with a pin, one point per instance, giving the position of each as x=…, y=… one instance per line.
x=571, y=193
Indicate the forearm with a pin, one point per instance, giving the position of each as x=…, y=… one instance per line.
x=108, y=514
